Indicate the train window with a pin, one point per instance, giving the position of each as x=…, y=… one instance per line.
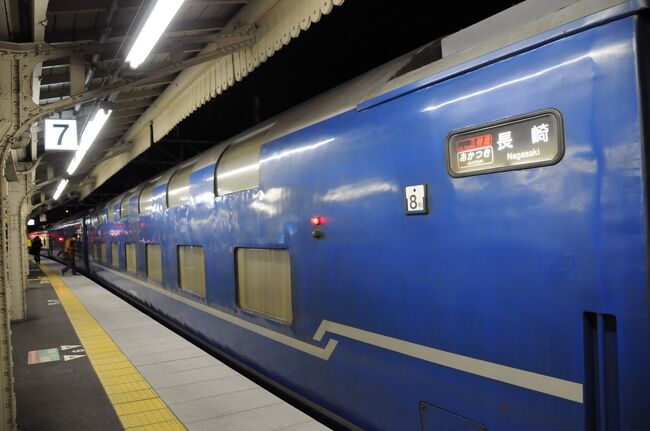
x=100, y=218
x=191, y=269
x=103, y=252
x=145, y=203
x=96, y=252
x=115, y=255
x=129, y=252
x=178, y=188
x=125, y=205
x=111, y=210
x=264, y=282
x=154, y=262
x=238, y=167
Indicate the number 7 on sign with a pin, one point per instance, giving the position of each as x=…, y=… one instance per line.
x=65, y=129
x=61, y=135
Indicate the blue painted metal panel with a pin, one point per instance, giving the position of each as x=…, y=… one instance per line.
x=435, y=419
x=502, y=269
x=617, y=12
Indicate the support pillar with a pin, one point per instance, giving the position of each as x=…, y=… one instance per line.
x=7, y=395
x=9, y=119
x=18, y=263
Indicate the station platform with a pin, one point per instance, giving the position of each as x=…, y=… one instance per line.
x=85, y=359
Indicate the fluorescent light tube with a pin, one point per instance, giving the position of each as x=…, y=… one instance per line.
x=59, y=189
x=156, y=24
x=88, y=136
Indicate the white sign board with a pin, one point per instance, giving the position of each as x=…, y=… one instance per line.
x=61, y=135
x=416, y=199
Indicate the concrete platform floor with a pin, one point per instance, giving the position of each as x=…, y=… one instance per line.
x=125, y=371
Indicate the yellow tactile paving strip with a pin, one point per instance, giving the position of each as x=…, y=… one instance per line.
x=137, y=405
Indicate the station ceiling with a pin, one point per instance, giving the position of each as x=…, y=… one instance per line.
x=106, y=29
x=353, y=38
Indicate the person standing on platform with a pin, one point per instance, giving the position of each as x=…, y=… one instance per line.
x=69, y=249
x=37, y=244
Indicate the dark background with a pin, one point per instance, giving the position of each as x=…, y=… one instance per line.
x=354, y=38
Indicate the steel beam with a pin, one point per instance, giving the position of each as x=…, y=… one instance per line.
x=72, y=7
x=144, y=94
x=175, y=28
x=17, y=254
x=7, y=396
x=165, y=80
x=77, y=74
x=39, y=19
x=18, y=60
x=112, y=134
x=133, y=104
x=127, y=113
x=217, y=2
x=10, y=28
x=138, y=79
x=126, y=122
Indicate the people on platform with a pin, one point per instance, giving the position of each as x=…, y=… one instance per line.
x=37, y=244
x=69, y=249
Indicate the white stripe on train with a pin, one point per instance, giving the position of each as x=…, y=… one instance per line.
x=565, y=389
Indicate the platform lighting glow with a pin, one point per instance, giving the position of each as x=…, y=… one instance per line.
x=156, y=23
x=31, y=222
x=88, y=136
x=59, y=189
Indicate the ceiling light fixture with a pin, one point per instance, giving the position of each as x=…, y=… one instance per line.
x=153, y=28
x=59, y=189
x=88, y=136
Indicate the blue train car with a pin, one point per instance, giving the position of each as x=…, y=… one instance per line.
x=58, y=235
x=458, y=243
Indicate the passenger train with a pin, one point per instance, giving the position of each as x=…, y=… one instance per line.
x=457, y=240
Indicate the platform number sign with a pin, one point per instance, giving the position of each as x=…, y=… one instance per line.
x=61, y=135
x=416, y=199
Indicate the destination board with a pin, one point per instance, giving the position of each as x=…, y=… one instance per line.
x=515, y=143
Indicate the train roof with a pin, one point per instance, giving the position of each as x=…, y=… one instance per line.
x=520, y=27
x=500, y=35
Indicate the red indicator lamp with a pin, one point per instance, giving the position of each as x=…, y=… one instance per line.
x=316, y=221
x=61, y=239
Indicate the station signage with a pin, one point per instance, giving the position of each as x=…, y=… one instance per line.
x=61, y=135
x=516, y=143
